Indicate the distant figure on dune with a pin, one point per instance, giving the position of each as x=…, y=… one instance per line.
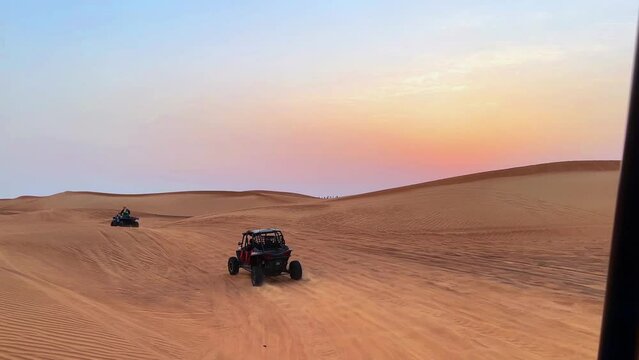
x=124, y=218
x=125, y=212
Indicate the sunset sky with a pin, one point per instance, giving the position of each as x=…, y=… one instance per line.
x=323, y=98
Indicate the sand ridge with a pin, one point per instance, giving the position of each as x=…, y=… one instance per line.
x=187, y=203
x=505, y=265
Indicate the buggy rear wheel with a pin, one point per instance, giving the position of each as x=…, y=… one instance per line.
x=136, y=224
x=234, y=265
x=257, y=275
x=295, y=270
x=114, y=223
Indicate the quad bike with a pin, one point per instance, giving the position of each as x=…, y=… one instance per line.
x=125, y=220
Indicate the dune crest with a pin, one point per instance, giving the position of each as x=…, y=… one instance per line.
x=187, y=203
x=547, y=168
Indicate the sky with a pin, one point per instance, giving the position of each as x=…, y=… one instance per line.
x=322, y=98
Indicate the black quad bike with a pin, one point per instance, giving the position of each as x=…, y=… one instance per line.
x=264, y=253
x=125, y=220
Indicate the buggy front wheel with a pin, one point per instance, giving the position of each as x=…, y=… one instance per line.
x=233, y=265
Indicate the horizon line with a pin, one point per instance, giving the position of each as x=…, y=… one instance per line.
x=577, y=165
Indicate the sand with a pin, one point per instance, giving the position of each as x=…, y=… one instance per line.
x=499, y=265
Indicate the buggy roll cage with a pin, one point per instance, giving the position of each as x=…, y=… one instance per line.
x=262, y=238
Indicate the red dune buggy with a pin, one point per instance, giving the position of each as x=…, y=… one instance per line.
x=264, y=253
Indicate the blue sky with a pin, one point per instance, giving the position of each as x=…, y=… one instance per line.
x=317, y=97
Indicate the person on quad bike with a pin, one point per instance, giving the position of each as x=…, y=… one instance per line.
x=125, y=212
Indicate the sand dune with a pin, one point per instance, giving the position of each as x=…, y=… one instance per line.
x=500, y=265
x=540, y=169
x=186, y=203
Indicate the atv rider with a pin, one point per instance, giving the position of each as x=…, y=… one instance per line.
x=125, y=212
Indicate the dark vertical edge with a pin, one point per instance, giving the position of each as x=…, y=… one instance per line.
x=620, y=322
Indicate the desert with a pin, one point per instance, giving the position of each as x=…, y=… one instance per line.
x=506, y=264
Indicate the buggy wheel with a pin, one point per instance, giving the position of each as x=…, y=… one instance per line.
x=113, y=223
x=234, y=265
x=136, y=224
x=257, y=275
x=295, y=270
